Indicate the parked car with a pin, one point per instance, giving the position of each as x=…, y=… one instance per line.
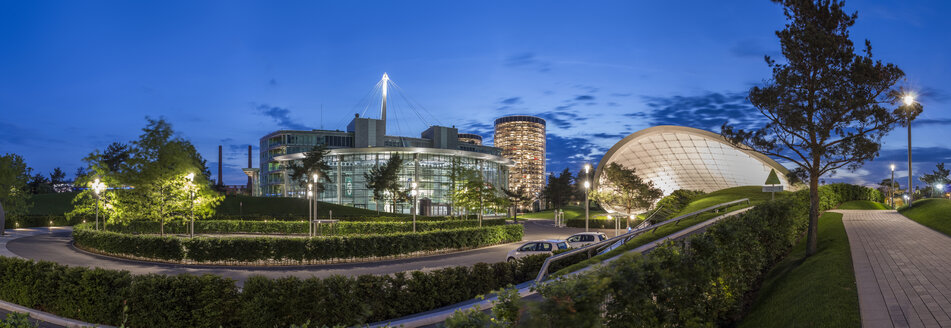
x=582, y=239
x=536, y=247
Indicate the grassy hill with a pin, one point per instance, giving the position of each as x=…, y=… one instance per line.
x=754, y=193
x=862, y=205
x=934, y=213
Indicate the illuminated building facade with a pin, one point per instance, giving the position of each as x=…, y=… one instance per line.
x=679, y=157
x=428, y=160
x=522, y=139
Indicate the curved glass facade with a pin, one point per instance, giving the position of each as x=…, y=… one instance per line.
x=677, y=157
x=430, y=168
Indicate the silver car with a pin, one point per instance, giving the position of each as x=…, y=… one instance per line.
x=582, y=239
x=536, y=247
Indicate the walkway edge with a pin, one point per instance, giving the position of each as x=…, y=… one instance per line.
x=47, y=317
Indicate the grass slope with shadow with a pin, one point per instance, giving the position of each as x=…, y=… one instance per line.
x=862, y=205
x=934, y=213
x=815, y=291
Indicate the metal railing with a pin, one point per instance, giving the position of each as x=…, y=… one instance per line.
x=624, y=238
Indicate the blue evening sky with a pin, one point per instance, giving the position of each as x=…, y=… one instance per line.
x=78, y=75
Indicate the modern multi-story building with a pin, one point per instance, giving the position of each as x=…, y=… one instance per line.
x=428, y=160
x=522, y=139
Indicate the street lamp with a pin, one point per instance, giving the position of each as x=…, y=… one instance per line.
x=310, y=209
x=940, y=188
x=413, y=193
x=617, y=225
x=191, y=195
x=587, y=184
x=316, y=178
x=909, y=100
x=891, y=188
x=97, y=188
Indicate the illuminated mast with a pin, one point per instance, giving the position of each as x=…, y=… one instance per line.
x=386, y=80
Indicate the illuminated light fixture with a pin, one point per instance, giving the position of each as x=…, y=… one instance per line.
x=908, y=99
x=190, y=176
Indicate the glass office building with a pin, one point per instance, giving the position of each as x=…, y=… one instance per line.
x=427, y=160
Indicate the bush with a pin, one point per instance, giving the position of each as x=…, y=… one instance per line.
x=98, y=296
x=703, y=281
x=673, y=203
x=299, y=250
x=295, y=227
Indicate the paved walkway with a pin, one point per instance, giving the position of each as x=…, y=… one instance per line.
x=902, y=270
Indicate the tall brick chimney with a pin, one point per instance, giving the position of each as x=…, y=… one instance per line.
x=249, y=166
x=220, y=182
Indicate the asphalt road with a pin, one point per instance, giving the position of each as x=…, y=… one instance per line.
x=56, y=247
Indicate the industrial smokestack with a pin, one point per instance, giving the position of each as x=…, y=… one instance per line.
x=249, y=166
x=219, y=166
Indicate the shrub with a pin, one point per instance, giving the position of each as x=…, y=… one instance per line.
x=98, y=296
x=252, y=249
x=295, y=227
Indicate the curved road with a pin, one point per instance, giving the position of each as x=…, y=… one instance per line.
x=55, y=247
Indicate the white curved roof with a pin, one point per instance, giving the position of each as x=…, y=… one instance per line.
x=678, y=157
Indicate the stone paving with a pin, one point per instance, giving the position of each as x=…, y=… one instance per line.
x=902, y=270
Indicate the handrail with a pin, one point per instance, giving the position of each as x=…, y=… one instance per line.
x=543, y=272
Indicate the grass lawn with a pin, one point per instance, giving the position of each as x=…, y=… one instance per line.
x=754, y=193
x=934, y=213
x=862, y=205
x=818, y=291
x=571, y=212
x=52, y=204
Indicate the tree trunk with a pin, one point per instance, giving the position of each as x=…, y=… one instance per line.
x=812, y=232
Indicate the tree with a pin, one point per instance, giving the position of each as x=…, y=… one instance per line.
x=825, y=106
x=80, y=173
x=168, y=179
x=383, y=179
x=58, y=180
x=313, y=163
x=116, y=155
x=14, y=191
x=475, y=193
x=624, y=189
x=517, y=198
x=559, y=190
x=39, y=184
x=938, y=176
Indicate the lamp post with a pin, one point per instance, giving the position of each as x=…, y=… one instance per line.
x=97, y=188
x=191, y=196
x=940, y=189
x=891, y=188
x=413, y=193
x=909, y=100
x=617, y=225
x=316, y=177
x=310, y=209
x=587, y=184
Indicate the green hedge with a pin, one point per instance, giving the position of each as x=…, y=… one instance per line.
x=97, y=295
x=704, y=281
x=293, y=249
x=31, y=221
x=296, y=227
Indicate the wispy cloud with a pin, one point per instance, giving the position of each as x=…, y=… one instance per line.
x=281, y=116
x=528, y=60
x=707, y=111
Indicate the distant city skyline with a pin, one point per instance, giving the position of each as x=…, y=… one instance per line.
x=77, y=76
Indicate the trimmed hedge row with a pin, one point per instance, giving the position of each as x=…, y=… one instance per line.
x=29, y=221
x=98, y=296
x=598, y=223
x=385, y=217
x=296, y=227
x=298, y=250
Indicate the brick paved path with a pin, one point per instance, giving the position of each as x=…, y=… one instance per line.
x=902, y=269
